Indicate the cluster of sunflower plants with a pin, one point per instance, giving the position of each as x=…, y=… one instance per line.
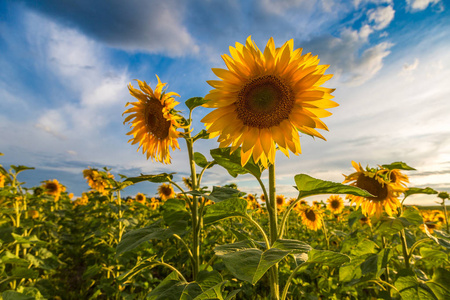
x=219, y=243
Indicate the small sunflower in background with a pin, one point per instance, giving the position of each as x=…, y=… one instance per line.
x=98, y=180
x=263, y=198
x=430, y=221
x=53, y=188
x=2, y=180
x=153, y=120
x=311, y=218
x=316, y=204
x=265, y=98
x=141, y=198
x=153, y=203
x=335, y=204
x=84, y=200
x=384, y=192
x=166, y=191
x=281, y=201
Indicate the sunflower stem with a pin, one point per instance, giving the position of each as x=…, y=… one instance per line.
x=274, y=285
x=404, y=248
x=196, y=219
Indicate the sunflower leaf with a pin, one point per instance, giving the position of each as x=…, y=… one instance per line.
x=235, y=207
x=412, y=191
x=163, y=177
x=399, y=165
x=201, y=161
x=308, y=186
x=232, y=162
x=19, y=169
x=194, y=102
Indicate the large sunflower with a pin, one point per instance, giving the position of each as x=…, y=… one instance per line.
x=335, y=204
x=155, y=122
x=384, y=192
x=265, y=98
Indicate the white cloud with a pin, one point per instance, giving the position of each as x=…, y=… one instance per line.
x=418, y=5
x=381, y=16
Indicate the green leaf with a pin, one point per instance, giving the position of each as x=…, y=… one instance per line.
x=13, y=295
x=433, y=258
x=200, y=160
x=171, y=288
x=390, y=226
x=219, y=194
x=354, y=216
x=28, y=239
x=235, y=207
x=327, y=258
x=248, y=264
x=194, y=102
x=133, y=239
x=22, y=272
x=439, y=284
x=19, y=169
x=163, y=177
x=293, y=245
x=399, y=165
x=232, y=162
x=412, y=216
x=351, y=270
x=174, y=210
x=308, y=186
x=411, y=289
x=412, y=191
x=445, y=242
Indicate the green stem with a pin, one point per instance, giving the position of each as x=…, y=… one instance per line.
x=288, y=282
x=325, y=232
x=273, y=230
x=414, y=246
x=404, y=248
x=196, y=222
x=445, y=214
x=286, y=215
x=266, y=239
x=203, y=171
x=386, y=271
x=185, y=245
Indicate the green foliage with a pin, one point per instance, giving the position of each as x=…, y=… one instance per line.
x=232, y=162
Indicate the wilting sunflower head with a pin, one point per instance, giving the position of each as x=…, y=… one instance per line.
x=384, y=192
x=335, y=204
x=54, y=188
x=153, y=120
x=311, y=218
x=166, y=191
x=265, y=98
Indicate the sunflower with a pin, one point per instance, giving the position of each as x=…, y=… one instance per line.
x=311, y=218
x=98, y=180
x=187, y=182
x=166, y=191
x=140, y=198
x=439, y=216
x=54, y=188
x=316, y=204
x=34, y=214
x=384, y=193
x=81, y=201
x=155, y=121
x=281, y=200
x=2, y=180
x=335, y=204
x=430, y=222
x=263, y=198
x=265, y=98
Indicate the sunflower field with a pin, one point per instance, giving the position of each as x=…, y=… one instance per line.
x=198, y=242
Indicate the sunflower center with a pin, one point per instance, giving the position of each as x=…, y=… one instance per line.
x=155, y=121
x=335, y=204
x=51, y=187
x=264, y=101
x=393, y=178
x=167, y=191
x=372, y=185
x=310, y=215
x=280, y=201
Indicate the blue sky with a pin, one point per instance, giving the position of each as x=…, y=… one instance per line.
x=66, y=65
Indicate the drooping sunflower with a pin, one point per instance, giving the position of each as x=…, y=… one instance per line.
x=153, y=120
x=335, y=204
x=54, y=188
x=311, y=218
x=166, y=191
x=384, y=193
x=265, y=98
